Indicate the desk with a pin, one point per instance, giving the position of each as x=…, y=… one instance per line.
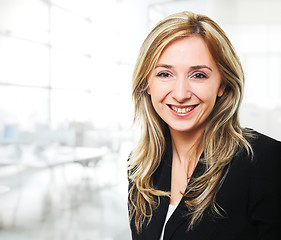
x=22, y=156
x=49, y=156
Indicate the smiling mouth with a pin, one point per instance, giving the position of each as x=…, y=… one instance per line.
x=183, y=109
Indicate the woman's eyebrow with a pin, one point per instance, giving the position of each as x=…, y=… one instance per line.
x=197, y=67
x=164, y=66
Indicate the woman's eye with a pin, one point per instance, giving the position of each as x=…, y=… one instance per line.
x=199, y=75
x=163, y=74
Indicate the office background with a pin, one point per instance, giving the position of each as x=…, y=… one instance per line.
x=66, y=110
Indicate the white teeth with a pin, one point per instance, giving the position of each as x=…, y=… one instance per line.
x=182, y=110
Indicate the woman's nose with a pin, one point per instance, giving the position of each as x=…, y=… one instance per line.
x=182, y=90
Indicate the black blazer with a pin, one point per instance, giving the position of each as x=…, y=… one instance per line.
x=250, y=195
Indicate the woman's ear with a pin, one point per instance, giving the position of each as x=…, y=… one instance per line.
x=221, y=90
x=148, y=90
x=148, y=81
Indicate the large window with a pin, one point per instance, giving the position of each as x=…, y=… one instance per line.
x=45, y=61
x=65, y=61
x=59, y=64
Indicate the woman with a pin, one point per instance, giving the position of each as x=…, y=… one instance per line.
x=195, y=172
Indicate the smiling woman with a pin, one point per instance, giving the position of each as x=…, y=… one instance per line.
x=195, y=172
x=185, y=84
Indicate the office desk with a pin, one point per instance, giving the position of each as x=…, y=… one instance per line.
x=48, y=156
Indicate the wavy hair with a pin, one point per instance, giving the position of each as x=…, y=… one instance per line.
x=223, y=134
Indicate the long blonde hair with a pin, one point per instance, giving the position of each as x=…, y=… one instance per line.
x=223, y=134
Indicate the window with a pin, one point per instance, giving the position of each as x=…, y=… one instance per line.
x=46, y=62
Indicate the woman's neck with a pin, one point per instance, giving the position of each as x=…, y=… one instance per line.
x=186, y=152
x=187, y=145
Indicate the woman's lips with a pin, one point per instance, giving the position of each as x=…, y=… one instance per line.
x=182, y=109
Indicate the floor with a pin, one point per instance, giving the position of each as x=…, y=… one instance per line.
x=69, y=202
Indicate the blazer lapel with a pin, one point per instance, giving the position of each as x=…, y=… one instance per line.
x=161, y=181
x=179, y=216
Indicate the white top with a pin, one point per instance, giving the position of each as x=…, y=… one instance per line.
x=170, y=211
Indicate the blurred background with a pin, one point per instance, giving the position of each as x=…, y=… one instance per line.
x=66, y=111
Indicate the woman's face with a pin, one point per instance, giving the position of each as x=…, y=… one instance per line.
x=185, y=84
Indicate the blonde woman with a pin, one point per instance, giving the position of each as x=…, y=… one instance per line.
x=195, y=172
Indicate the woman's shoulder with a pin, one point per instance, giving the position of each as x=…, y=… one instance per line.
x=263, y=145
x=265, y=152
x=265, y=160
